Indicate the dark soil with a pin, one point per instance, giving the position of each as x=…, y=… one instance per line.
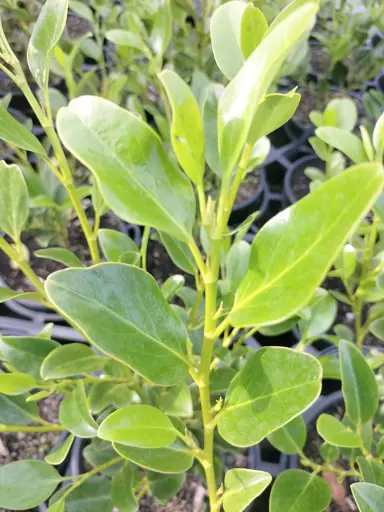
x=77, y=26
x=160, y=265
x=300, y=184
x=248, y=188
x=190, y=498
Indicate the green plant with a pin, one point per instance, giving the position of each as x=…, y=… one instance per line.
x=156, y=407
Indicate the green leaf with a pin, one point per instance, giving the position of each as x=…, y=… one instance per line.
x=130, y=258
x=262, y=398
x=69, y=360
x=329, y=453
x=359, y=386
x=26, y=354
x=74, y=413
x=104, y=394
x=241, y=98
x=59, y=455
x=98, y=452
x=114, y=244
x=164, y=487
x=286, y=264
x=369, y=497
x=226, y=36
x=337, y=434
x=179, y=253
x=296, y=490
x=94, y=495
x=121, y=309
x=275, y=110
x=291, y=437
x=45, y=36
x=177, y=401
x=187, y=131
x=17, y=134
x=221, y=378
x=14, y=410
x=210, y=109
x=141, y=426
x=323, y=315
x=122, y=494
x=161, y=33
x=378, y=137
x=13, y=200
x=344, y=141
x=16, y=383
x=57, y=507
x=7, y=294
x=349, y=260
x=137, y=179
x=26, y=484
x=175, y=458
x=61, y=255
x=377, y=328
x=343, y=112
x=236, y=264
x=242, y=486
x=372, y=471
x=252, y=29
x=172, y=285
x=125, y=38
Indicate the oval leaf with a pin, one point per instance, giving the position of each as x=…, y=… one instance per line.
x=14, y=410
x=242, y=486
x=16, y=383
x=13, y=200
x=58, y=455
x=137, y=179
x=344, y=141
x=74, y=413
x=335, y=433
x=114, y=244
x=291, y=438
x=252, y=30
x=262, y=398
x=369, y=497
x=292, y=253
x=69, y=360
x=17, y=134
x=61, y=255
x=122, y=493
x=121, y=309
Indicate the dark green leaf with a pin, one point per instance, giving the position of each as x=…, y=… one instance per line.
x=14, y=410
x=94, y=495
x=291, y=438
x=17, y=134
x=71, y=359
x=122, y=494
x=221, y=379
x=164, y=487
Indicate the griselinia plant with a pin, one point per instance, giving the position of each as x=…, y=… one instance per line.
x=161, y=391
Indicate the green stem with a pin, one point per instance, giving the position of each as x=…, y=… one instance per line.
x=144, y=247
x=40, y=428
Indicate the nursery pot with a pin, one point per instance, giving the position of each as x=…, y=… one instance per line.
x=258, y=202
x=296, y=183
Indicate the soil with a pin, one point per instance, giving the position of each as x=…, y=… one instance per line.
x=160, y=265
x=77, y=26
x=300, y=184
x=248, y=188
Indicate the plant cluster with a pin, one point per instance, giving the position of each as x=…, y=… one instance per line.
x=164, y=382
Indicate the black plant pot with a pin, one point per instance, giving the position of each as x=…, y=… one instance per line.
x=258, y=202
x=295, y=174
x=379, y=82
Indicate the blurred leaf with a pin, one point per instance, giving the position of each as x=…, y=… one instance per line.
x=13, y=200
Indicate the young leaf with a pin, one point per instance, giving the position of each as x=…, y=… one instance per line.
x=344, y=113
x=130, y=258
x=369, y=497
x=291, y=437
x=69, y=360
x=252, y=30
x=286, y=265
x=337, y=434
x=57, y=507
x=13, y=200
x=122, y=493
x=187, y=131
x=164, y=487
x=61, y=255
x=210, y=109
x=296, y=490
x=58, y=456
x=104, y=394
x=177, y=401
x=26, y=354
x=242, y=96
x=262, y=398
x=242, y=486
x=323, y=315
x=179, y=253
x=372, y=471
x=359, y=386
x=45, y=36
x=172, y=285
x=74, y=413
x=114, y=244
x=329, y=453
x=26, y=484
x=141, y=426
x=16, y=383
x=175, y=458
x=7, y=294
x=344, y=141
x=125, y=38
x=121, y=309
x=14, y=410
x=17, y=134
x=236, y=264
x=136, y=177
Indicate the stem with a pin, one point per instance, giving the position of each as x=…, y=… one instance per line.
x=40, y=428
x=144, y=247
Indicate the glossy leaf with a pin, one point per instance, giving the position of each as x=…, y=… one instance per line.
x=358, y=384
x=26, y=354
x=13, y=200
x=179, y=253
x=242, y=486
x=45, y=36
x=187, y=131
x=114, y=244
x=210, y=109
x=141, y=426
x=14, y=410
x=26, y=484
x=121, y=309
x=137, y=179
x=323, y=315
x=225, y=37
x=286, y=265
x=164, y=487
x=372, y=471
x=161, y=33
x=242, y=96
x=344, y=141
x=74, y=413
x=122, y=493
x=291, y=437
x=177, y=401
x=104, y=394
x=253, y=27
x=337, y=434
x=17, y=134
x=69, y=360
x=369, y=497
x=236, y=264
x=16, y=383
x=175, y=458
x=7, y=294
x=296, y=490
x=172, y=285
x=61, y=255
x=262, y=398
x=58, y=455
